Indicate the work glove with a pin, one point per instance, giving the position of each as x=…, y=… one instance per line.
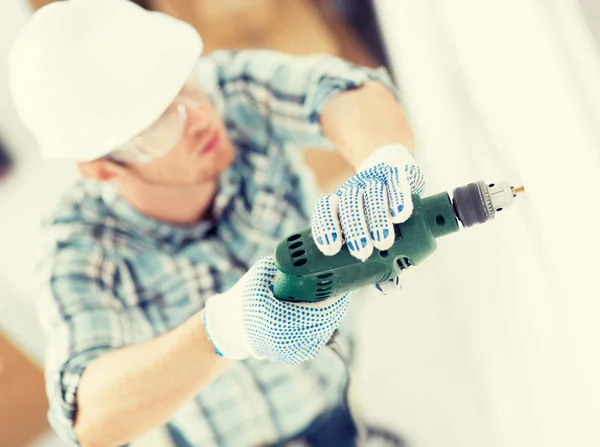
x=364, y=209
x=248, y=321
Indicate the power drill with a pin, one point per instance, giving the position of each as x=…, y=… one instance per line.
x=304, y=274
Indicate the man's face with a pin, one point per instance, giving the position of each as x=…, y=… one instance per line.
x=202, y=153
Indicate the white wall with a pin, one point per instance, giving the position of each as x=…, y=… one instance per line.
x=494, y=340
x=24, y=197
x=591, y=9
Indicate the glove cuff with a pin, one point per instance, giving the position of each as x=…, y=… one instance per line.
x=391, y=155
x=224, y=325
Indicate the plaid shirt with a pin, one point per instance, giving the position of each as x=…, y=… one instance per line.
x=113, y=277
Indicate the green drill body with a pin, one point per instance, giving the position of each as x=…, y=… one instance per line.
x=307, y=275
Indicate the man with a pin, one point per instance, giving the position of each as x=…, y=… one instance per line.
x=158, y=303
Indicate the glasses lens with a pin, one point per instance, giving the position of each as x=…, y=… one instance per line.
x=157, y=140
x=164, y=134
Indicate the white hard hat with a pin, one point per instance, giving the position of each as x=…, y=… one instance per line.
x=88, y=75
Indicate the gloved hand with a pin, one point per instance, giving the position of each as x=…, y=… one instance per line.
x=249, y=321
x=363, y=210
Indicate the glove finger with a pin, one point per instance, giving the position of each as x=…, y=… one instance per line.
x=379, y=219
x=416, y=179
x=354, y=223
x=399, y=194
x=325, y=225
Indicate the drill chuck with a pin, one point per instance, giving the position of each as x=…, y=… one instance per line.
x=479, y=202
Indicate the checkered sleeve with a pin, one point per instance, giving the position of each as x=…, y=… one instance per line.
x=290, y=91
x=81, y=319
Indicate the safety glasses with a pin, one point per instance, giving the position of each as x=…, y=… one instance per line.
x=163, y=135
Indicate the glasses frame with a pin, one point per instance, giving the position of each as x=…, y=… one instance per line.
x=144, y=147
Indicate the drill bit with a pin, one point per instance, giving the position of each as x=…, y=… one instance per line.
x=518, y=189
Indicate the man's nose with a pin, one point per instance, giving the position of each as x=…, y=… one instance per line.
x=198, y=120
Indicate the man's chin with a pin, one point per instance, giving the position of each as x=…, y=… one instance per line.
x=213, y=174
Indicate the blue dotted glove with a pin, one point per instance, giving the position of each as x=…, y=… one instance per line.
x=249, y=321
x=363, y=210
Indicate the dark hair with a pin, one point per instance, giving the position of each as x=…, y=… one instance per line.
x=143, y=3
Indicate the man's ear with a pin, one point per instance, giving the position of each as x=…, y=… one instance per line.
x=102, y=169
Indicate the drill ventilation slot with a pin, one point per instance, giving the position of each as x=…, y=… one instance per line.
x=403, y=263
x=297, y=256
x=324, y=286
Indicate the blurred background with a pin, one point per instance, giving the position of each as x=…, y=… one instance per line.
x=494, y=341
